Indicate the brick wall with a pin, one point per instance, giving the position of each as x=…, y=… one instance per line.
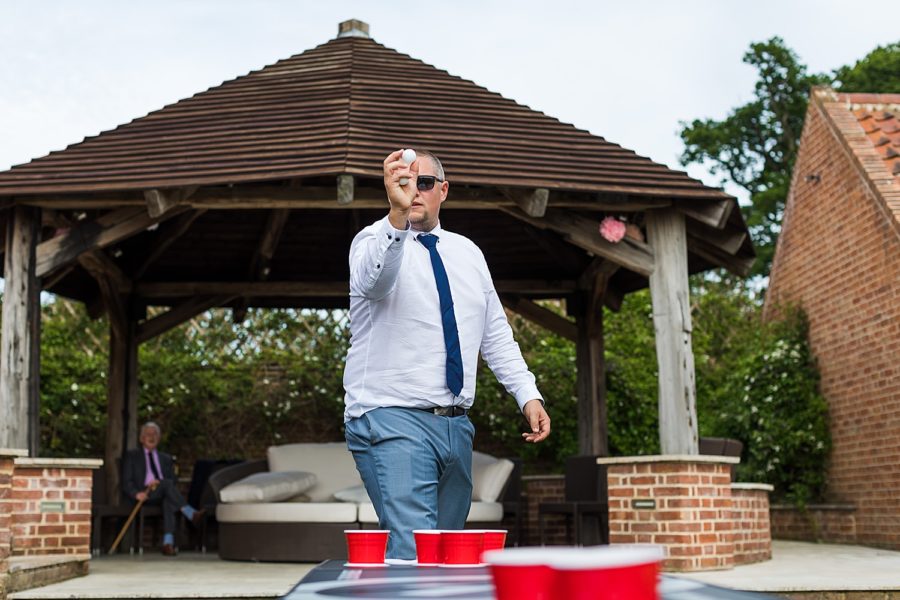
x=831, y=523
x=7, y=458
x=691, y=516
x=839, y=257
x=51, y=506
x=537, y=489
x=752, y=523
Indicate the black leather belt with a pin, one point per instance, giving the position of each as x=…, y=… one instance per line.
x=447, y=411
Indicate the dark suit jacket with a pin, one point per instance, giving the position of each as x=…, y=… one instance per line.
x=134, y=470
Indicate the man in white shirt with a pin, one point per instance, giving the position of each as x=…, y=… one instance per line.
x=422, y=306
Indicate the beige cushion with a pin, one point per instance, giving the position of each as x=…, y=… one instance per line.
x=489, y=475
x=287, y=512
x=268, y=487
x=357, y=494
x=480, y=512
x=331, y=462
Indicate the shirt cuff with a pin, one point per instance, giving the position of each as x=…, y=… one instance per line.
x=391, y=234
x=526, y=393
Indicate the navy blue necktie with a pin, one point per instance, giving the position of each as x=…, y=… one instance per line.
x=448, y=317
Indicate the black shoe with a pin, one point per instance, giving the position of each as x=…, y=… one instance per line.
x=197, y=519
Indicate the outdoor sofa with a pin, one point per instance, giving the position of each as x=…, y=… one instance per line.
x=295, y=505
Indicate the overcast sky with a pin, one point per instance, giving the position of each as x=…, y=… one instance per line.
x=627, y=70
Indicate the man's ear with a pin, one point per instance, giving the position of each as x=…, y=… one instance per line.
x=445, y=190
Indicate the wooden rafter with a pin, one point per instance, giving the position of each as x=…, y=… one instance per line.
x=541, y=316
x=532, y=202
x=177, y=315
x=261, y=289
x=107, y=229
x=714, y=213
x=583, y=232
x=728, y=240
x=160, y=202
x=166, y=238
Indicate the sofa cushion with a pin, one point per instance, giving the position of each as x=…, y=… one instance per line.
x=332, y=463
x=357, y=494
x=480, y=512
x=489, y=475
x=268, y=487
x=287, y=512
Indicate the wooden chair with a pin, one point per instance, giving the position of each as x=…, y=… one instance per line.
x=101, y=512
x=585, y=497
x=715, y=446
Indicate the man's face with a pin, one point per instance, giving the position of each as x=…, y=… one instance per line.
x=423, y=213
x=149, y=438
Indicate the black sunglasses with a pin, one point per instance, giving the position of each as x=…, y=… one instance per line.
x=426, y=182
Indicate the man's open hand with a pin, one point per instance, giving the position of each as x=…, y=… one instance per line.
x=538, y=420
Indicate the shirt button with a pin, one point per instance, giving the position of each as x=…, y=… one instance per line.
x=377, y=266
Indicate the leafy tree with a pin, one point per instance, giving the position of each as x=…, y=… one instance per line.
x=877, y=72
x=756, y=144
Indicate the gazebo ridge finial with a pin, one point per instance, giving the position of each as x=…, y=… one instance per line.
x=353, y=28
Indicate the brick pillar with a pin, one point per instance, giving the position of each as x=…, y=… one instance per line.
x=7, y=458
x=52, y=506
x=680, y=502
x=752, y=526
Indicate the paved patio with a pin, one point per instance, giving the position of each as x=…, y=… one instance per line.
x=797, y=568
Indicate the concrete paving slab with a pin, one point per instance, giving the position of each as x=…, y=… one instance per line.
x=806, y=567
x=189, y=575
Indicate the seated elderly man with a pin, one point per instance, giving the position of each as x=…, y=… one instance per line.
x=149, y=475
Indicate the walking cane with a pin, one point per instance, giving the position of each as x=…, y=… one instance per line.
x=134, y=513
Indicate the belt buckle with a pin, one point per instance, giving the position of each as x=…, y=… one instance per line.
x=444, y=411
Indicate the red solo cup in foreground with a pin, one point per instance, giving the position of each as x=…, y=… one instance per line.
x=521, y=574
x=620, y=572
x=366, y=546
x=494, y=539
x=462, y=547
x=428, y=546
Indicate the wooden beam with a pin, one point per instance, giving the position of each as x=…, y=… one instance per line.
x=262, y=289
x=98, y=264
x=121, y=394
x=584, y=233
x=728, y=240
x=345, y=185
x=176, y=316
x=99, y=233
x=593, y=438
x=166, y=237
x=116, y=306
x=159, y=202
x=739, y=265
x=19, y=340
x=271, y=236
x=535, y=313
x=670, y=296
x=714, y=213
x=532, y=202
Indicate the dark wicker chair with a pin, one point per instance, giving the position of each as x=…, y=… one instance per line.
x=585, y=498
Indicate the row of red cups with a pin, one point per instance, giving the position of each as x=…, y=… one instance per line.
x=433, y=546
x=618, y=572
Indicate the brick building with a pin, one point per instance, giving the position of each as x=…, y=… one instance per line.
x=838, y=257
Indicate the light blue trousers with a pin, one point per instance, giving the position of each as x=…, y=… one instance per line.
x=417, y=469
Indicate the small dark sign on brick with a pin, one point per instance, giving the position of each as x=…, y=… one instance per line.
x=645, y=503
x=53, y=507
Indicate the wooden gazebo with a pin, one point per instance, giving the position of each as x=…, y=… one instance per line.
x=248, y=194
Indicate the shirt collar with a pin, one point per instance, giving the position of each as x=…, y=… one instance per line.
x=436, y=231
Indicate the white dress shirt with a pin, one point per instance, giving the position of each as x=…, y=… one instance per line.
x=397, y=355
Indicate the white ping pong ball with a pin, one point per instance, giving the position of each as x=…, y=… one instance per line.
x=408, y=156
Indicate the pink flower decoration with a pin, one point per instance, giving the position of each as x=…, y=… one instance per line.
x=612, y=230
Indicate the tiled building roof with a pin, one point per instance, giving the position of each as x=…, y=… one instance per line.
x=339, y=108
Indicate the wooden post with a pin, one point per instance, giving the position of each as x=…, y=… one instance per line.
x=19, y=341
x=121, y=394
x=593, y=438
x=672, y=323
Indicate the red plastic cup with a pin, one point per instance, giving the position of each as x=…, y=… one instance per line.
x=462, y=547
x=366, y=546
x=607, y=572
x=521, y=574
x=428, y=546
x=494, y=539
